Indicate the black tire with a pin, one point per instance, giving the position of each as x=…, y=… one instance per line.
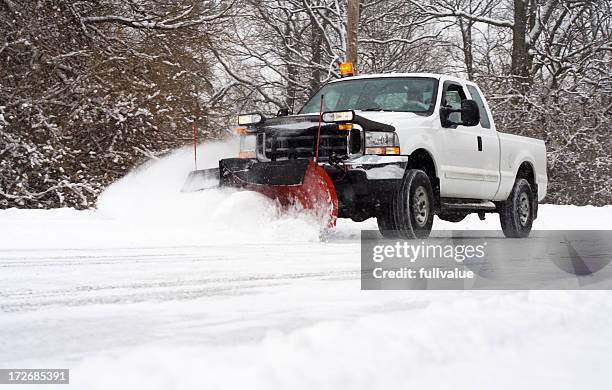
x=517, y=212
x=410, y=215
x=386, y=224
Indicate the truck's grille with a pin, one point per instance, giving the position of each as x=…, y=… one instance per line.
x=277, y=146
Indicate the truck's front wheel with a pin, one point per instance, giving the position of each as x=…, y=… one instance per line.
x=516, y=213
x=386, y=224
x=410, y=214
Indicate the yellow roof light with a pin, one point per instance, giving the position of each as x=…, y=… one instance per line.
x=347, y=69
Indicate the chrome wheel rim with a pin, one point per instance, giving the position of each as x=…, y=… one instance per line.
x=420, y=206
x=524, y=208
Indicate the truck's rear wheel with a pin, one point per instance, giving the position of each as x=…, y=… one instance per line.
x=517, y=213
x=410, y=214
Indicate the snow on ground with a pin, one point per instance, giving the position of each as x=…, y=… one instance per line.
x=165, y=290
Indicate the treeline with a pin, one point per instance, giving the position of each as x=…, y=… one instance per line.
x=89, y=89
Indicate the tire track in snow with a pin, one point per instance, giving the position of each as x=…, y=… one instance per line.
x=141, y=276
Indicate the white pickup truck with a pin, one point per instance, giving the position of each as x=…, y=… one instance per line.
x=398, y=147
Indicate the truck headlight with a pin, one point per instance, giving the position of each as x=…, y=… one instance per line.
x=248, y=145
x=338, y=116
x=381, y=142
x=250, y=119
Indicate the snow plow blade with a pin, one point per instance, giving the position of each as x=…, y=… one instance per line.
x=290, y=182
x=201, y=180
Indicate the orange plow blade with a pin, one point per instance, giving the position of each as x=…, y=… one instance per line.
x=316, y=193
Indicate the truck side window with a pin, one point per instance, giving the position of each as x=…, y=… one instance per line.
x=452, y=97
x=484, y=117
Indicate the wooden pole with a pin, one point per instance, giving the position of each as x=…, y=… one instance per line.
x=352, y=36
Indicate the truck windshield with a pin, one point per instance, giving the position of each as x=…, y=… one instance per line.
x=402, y=94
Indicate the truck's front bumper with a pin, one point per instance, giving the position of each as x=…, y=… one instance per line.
x=378, y=167
x=365, y=183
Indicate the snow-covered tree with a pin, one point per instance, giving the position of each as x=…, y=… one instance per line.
x=89, y=89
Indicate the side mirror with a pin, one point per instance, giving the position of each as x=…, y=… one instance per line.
x=445, y=113
x=470, y=113
x=283, y=112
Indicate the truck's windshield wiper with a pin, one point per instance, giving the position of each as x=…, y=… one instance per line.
x=376, y=109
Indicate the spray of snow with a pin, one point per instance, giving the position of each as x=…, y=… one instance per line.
x=151, y=196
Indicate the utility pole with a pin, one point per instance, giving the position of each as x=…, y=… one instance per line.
x=352, y=36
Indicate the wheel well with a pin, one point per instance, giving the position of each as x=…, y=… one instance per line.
x=526, y=172
x=421, y=159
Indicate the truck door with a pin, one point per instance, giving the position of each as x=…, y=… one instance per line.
x=463, y=162
x=489, y=145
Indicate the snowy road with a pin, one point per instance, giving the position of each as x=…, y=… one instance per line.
x=280, y=311
x=182, y=294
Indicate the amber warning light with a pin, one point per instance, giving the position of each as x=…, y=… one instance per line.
x=347, y=69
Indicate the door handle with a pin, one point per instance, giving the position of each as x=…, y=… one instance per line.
x=479, y=143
